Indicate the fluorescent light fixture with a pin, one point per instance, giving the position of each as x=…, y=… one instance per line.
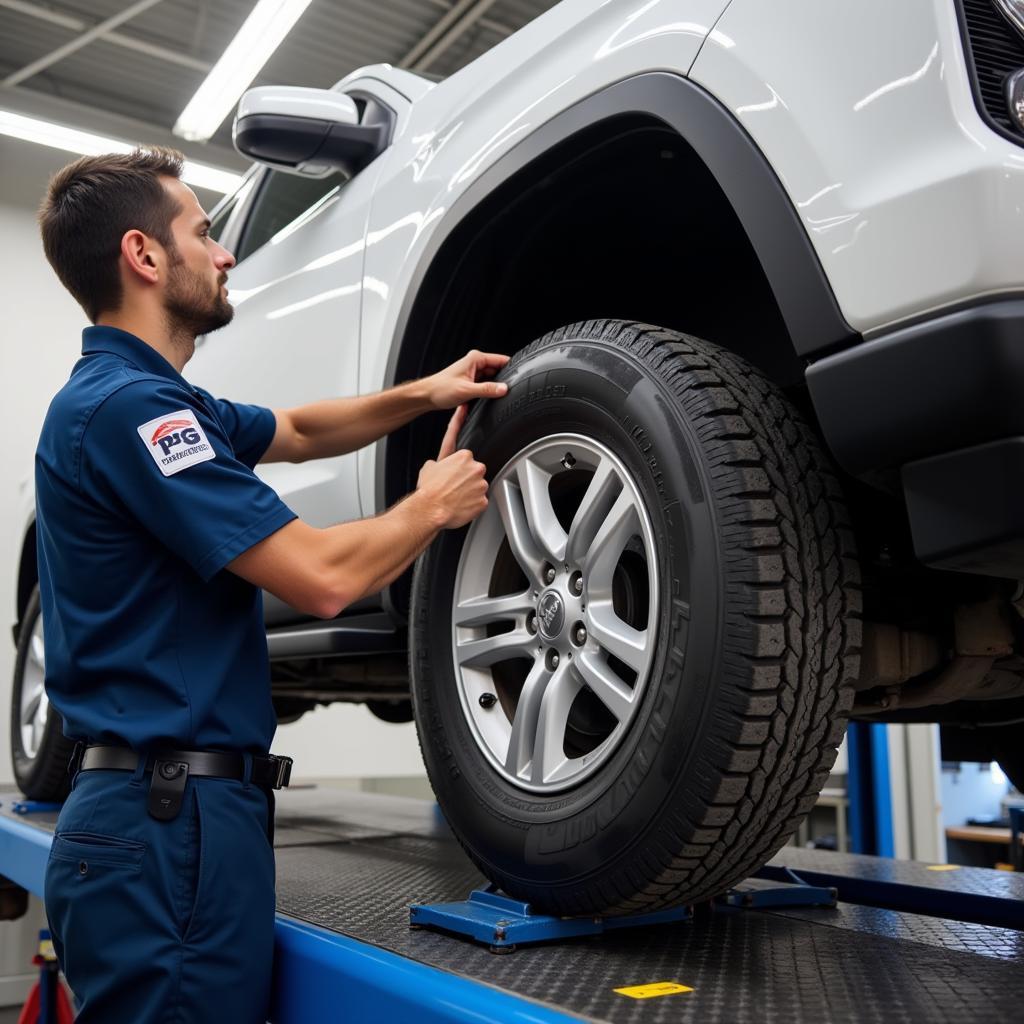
x=46, y=133
x=262, y=33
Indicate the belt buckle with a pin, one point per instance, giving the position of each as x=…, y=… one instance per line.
x=282, y=771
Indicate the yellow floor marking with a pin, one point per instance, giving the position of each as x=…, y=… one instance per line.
x=658, y=988
x=943, y=867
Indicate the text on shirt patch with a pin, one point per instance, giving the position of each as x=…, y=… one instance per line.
x=176, y=441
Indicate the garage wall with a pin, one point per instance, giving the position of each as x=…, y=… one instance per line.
x=41, y=337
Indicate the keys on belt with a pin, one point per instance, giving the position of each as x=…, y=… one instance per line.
x=171, y=769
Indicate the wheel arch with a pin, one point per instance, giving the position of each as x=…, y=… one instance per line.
x=722, y=151
x=491, y=247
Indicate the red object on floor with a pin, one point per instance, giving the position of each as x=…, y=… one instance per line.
x=48, y=1002
x=30, y=1011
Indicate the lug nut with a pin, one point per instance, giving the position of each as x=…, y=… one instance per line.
x=487, y=701
x=552, y=659
x=579, y=635
x=531, y=622
x=549, y=575
x=577, y=583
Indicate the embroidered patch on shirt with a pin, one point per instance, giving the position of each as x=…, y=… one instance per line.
x=176, y=441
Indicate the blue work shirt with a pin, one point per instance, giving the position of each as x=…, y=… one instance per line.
x=144, y=491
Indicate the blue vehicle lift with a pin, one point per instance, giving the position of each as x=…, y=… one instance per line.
x=350, y=865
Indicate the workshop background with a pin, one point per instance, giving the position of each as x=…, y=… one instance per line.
x=126, y=71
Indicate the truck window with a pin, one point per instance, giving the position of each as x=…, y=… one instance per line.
x=282, y=199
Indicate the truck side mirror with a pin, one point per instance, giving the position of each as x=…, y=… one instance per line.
x=307, y=131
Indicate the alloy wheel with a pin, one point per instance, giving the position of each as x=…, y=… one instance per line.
x=35, y=705
x=554, y=613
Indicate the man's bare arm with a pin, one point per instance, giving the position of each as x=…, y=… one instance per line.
x=320, y=572
x=337, y=426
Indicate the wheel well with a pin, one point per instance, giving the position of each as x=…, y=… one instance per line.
x=622, y=220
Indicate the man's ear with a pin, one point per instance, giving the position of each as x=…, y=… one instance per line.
x=142, y=256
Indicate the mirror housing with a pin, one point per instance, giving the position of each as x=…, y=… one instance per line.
x=306, y=131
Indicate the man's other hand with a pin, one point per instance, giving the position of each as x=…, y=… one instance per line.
x=454, y=483
x=466, y=379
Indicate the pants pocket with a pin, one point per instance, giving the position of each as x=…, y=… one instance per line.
x=90, y=849
x=91, y=888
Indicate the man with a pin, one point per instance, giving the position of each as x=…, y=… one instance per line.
x=155, y=539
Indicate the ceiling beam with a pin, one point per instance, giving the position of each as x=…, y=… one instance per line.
x=68, y=21
x=90, y=35
x=498, y=27
x=449, y=20
x=472, y=12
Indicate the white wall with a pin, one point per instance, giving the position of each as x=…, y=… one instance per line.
x=39, y=344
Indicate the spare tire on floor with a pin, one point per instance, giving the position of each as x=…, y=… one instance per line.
x=631, y=673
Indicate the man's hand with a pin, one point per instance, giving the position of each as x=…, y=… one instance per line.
x=466, y=379
x=454, y=484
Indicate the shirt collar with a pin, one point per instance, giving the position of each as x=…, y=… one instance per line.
x=130, y=348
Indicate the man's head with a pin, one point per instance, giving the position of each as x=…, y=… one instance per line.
x=123, y=230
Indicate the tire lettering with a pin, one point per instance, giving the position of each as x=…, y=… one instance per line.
x=512, y=405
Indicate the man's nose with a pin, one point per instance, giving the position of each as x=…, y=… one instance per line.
x=226, y=260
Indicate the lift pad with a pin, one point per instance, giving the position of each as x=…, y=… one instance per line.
x=349, y=864
x=503, y=923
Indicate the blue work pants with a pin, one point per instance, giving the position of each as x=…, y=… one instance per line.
x=164, y=922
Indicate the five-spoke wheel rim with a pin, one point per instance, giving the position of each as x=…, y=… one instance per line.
x=34, y=704
x=555, y=612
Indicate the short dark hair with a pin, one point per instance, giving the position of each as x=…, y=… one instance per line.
x=89, y=206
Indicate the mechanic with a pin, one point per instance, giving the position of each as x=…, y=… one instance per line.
x=155, y=538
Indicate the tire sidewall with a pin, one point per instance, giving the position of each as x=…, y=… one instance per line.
x=584, y=386
x=43, y=776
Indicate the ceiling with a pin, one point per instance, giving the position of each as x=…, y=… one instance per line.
x=147, y=66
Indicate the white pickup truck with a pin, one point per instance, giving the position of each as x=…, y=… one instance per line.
x=761, y=462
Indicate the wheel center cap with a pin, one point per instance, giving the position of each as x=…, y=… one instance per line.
x=550, y=614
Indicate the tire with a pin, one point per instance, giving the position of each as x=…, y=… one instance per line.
x=983, y=744
x=41, y=761
x=750, y=628
x=397, y=712
x=1010, y=753
x=291, y=709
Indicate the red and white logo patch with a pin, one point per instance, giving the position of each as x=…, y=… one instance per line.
x=176, y=441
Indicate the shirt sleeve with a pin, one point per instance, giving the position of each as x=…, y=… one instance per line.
x=153, y=452
x=250, y=428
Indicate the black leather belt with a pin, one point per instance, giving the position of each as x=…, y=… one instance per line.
x=171, y=769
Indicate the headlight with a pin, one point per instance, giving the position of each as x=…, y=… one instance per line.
x=1015, y=96
x=1013, y=12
